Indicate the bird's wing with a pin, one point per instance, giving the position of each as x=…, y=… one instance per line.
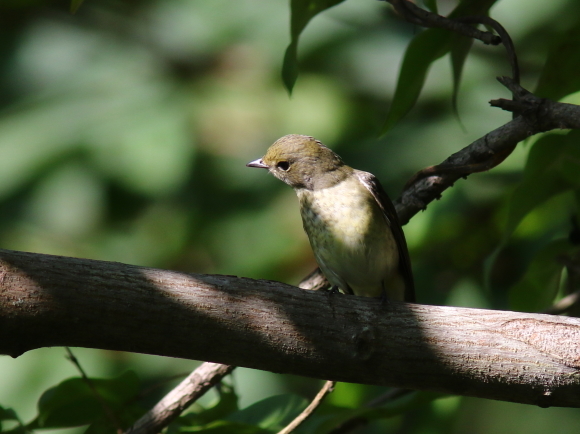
x=374, y=186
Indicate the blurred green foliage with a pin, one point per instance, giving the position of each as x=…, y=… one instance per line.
x=75, y=402
x=124, y=133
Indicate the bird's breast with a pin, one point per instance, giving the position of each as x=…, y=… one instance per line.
x=345, y=214
x=350, y=237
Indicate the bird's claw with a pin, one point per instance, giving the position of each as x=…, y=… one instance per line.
x=333, y=290
x=384, y=299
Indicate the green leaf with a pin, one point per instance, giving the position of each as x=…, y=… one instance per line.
x=227, y=427
x=266, y=416
x=552, y=167
x=431, y=5
x=302, y=11
x=226, y=404
x=73, y=402
x=560, y=75
x=460, y=46
x=12, y=423
x=7, y=414
x=472, y=7
x=75, y=5
x=331, y=416
x=539, y=285
x=274, y=412
x=488, y=265
x=423, y=50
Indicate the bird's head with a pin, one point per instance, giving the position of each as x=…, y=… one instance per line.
x=302, y=162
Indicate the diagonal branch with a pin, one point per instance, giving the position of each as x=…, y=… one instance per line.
x=308, y=411
x=537, y=115
x=422, y=17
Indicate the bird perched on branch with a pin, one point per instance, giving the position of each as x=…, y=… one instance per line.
x=350, y=221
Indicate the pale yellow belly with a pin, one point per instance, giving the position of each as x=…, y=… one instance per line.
x=350, y=238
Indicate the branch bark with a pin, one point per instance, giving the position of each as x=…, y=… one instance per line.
x=536, y=115
x=58, y=301
x=416, y=15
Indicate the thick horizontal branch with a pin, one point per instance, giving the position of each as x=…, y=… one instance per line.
x=56, y=301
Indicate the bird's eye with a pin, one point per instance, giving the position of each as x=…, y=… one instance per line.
x=283, y=165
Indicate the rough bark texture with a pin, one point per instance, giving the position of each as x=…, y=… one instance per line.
x=537, y=115
x=57, y=301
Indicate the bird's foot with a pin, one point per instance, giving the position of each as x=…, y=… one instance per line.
x=333, y=290
x=384, y=299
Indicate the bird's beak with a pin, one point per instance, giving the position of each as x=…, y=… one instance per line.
x=257, y=163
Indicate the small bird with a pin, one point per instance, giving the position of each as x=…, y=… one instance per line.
x=350, y=221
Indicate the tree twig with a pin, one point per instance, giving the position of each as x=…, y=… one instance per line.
x=506, y=40
x=307, y=412
x=357, y=421
x=422, y=17
x=110, y=414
